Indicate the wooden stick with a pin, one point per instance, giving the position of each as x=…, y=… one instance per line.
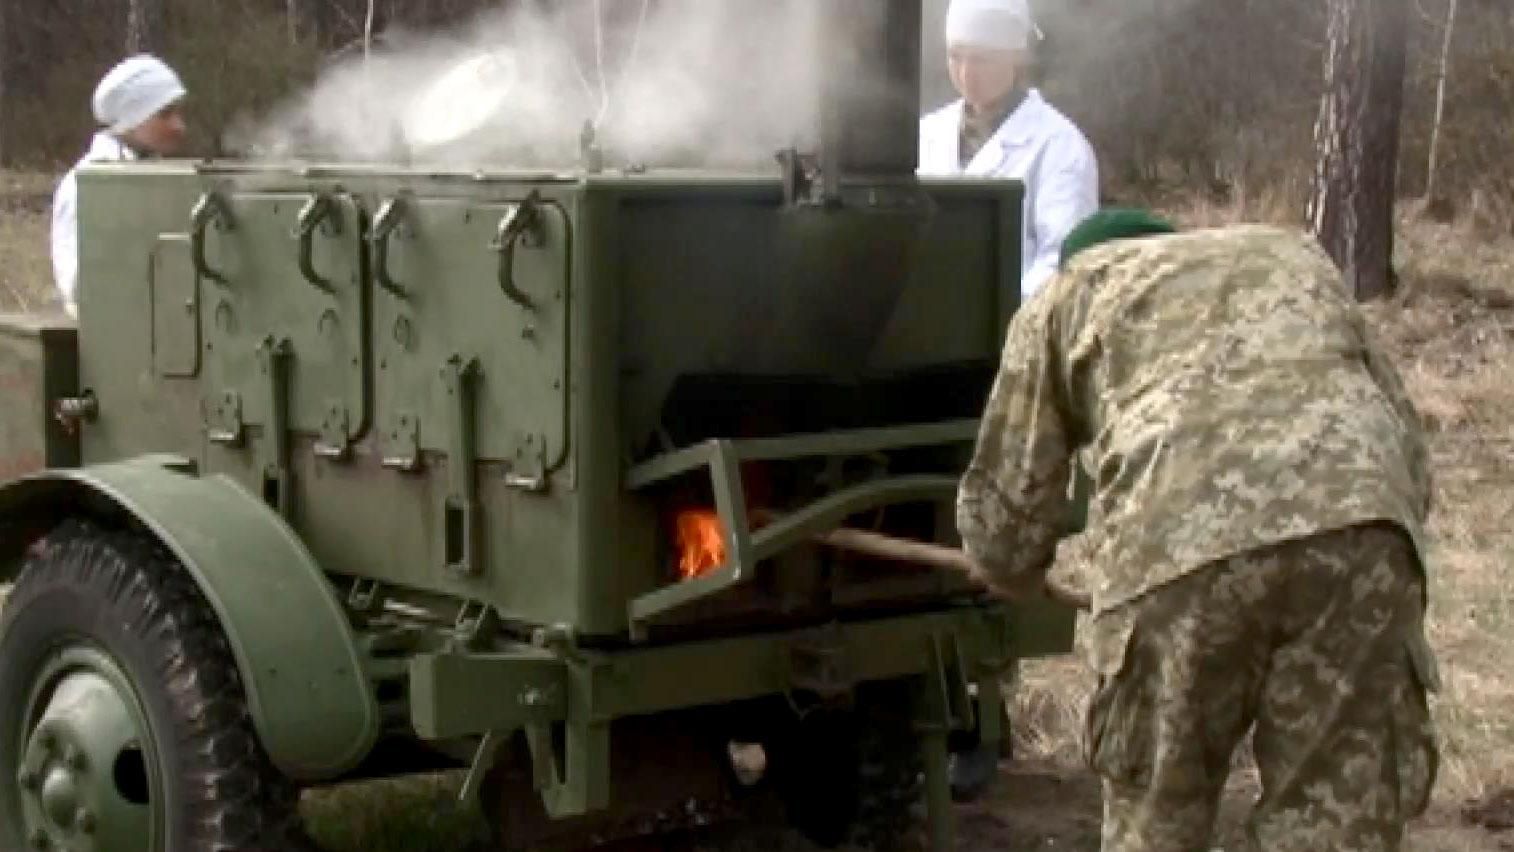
x=931, y=556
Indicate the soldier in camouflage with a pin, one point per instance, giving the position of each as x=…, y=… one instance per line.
x=1260, y=487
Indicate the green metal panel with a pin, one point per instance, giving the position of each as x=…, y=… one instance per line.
x=612, y=545
x=361, y=519
x=967, y=283
x=507, y=691
x=175, y=308
x=123, y=211
x=306, y=685
x=445, y=298
x=38, y=365
x=287, y=269
x=459, y=694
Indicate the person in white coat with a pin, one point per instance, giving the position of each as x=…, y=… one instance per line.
x=1001, y=127
x=138, y=107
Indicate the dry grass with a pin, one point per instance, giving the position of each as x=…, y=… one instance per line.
x=25, y=273
x=1452, y=331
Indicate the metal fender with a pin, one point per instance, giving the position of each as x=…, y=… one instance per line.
x=306, y=684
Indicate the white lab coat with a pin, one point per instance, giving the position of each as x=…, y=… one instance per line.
x=65, y=236
x=1037, y=145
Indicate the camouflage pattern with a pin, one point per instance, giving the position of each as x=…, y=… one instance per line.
x=1260, y=484
x=1315, y=642
x=1227, y=395
x=979, y=127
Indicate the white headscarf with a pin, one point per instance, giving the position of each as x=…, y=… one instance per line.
x=134, y=91
x=991, y=24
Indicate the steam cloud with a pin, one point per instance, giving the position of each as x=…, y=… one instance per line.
x=701, y=83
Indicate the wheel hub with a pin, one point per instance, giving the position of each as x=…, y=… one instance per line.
x=83, y=777
x=60, y=797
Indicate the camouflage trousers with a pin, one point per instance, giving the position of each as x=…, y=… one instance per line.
x=1314, y=647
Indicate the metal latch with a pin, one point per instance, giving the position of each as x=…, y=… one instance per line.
x=460, y=510
x=273, y=453
x=71, y=411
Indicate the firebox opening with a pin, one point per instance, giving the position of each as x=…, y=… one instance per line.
x=736, y=407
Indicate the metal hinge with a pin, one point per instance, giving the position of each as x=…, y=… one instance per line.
x=226, y=424
x=403, y=449
x=333, y=444
x=529, y=472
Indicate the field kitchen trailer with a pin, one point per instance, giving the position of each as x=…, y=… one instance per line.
x=351, y=472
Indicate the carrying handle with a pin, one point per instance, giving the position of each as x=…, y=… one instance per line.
x=523, y=222
x=317, y=211
x=210, y=209
x=390, y=216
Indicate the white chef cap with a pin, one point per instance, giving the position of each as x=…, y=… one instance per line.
x=991, y=24
x=134, y=91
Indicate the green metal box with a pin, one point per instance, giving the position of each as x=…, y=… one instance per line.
x=462, y=384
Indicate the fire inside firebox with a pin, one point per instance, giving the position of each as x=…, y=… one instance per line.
x=741, y=407
x=700, y=542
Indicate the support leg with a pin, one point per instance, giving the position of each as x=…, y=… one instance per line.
x=933, y=720
x=938, y=799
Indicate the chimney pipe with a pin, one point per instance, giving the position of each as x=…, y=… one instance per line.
x=870, y=97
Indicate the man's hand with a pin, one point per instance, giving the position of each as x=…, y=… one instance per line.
x=1033, y=589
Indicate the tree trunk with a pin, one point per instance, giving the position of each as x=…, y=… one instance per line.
x=1357, y=140
x=7, y=116
x=1440, y=105
x=146, y=25
x=294, y=12
x=323, y=20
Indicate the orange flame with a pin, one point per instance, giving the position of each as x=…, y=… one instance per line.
x=701, y=542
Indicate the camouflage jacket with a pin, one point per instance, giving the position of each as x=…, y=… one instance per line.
x=1226, y=394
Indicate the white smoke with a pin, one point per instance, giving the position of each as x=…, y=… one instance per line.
x=665, y=82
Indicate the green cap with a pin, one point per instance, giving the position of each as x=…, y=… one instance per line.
x=1113, y=223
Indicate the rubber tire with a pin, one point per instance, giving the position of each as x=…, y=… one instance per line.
x=124, y=593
